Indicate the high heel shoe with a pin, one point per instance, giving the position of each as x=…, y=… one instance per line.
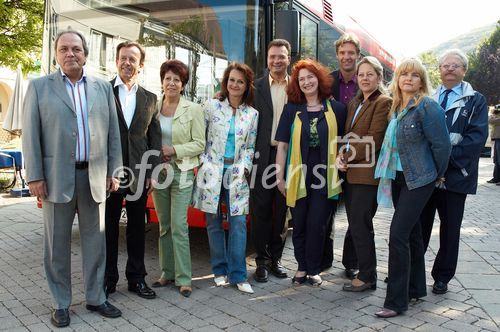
x=386, y=313
x=349, y=287
x=297, y=281
x=315, y=280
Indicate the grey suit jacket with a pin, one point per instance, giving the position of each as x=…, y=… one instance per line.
x=50, y=134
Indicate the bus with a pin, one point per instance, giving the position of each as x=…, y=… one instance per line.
x=204, y=34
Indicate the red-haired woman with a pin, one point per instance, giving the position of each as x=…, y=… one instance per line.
x=307, y=134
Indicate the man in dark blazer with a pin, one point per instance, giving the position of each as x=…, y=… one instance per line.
x=140, y=132
x=344, y=88
x=268, y=206
x=71, y=147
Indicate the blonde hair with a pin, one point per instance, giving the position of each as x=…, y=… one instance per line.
x=407, y=65
x=379, y=70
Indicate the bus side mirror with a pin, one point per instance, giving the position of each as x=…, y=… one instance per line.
x=287, y=27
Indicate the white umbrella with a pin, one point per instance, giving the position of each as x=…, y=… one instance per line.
x=13, y=118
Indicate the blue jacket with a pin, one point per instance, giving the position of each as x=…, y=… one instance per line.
x=468, y=133
x=423, y=143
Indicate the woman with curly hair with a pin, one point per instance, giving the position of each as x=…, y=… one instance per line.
x=307, y=148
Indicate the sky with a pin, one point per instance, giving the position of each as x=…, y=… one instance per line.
x=406, y=28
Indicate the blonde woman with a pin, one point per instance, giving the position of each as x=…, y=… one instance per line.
x=413, y=158
x=366, y=118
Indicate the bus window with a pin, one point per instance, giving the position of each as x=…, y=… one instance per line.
x=308, y=38
x=326, y=45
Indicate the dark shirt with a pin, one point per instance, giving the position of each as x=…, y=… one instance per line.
x=347, y=89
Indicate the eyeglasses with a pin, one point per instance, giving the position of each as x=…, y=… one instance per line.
x=452, y=66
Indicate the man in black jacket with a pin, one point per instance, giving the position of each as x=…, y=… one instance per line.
x=268, y=206
x=139, y=132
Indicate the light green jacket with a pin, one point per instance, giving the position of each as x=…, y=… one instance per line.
x=188, y=133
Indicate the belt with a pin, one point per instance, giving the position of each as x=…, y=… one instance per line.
x=81, y=164
x=228, y=161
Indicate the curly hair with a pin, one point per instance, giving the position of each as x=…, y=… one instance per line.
x=249, y=77
x=325, y=81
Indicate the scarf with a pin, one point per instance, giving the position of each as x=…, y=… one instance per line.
x=296, y=183
x=387, y=161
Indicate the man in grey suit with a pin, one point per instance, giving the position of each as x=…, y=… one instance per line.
x=71, y=146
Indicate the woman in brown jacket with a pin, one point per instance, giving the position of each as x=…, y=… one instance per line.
x=365, y=128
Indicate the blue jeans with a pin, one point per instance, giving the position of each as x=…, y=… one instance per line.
x=228, y=259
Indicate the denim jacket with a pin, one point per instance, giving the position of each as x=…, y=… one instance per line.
x=423, y=143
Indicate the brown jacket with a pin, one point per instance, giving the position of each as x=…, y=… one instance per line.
x=369, y=125
x=494, y=120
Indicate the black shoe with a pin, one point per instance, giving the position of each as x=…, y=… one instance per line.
x=60, y=317
x=439, y=287
x=106, y=309
x=261, y=273
x=278, y=270
x=141, y=289
x=109, y=288
x=493, y=181
x=351, y=273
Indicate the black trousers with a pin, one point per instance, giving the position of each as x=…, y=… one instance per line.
x=496, y=159
x=135, y=269
x=361, y=206
x=310, y=219
x=268, y=207
x=450, y=207
x=406, y=248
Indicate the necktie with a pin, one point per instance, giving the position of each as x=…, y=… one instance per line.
x=445, y=98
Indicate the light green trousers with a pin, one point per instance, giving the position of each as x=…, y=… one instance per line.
x=171, y=205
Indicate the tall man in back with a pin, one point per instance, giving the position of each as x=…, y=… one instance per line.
x=467, y=121
x=344, y=88
x=268, y=205
x=71, y=147
x=139, y=131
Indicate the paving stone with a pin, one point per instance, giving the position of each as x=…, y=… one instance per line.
x=429, y=327
x=459, y=326
x=222, y=321
x=487, y=325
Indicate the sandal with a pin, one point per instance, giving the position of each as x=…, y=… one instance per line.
x=161, y=283
x=297, y=281
x=185, y=291
x=315, y=280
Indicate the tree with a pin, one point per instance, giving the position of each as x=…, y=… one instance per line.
x=484, y=68
x=430, y=62
x=21, y=27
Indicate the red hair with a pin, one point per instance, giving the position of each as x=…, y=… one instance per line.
x=325, y=81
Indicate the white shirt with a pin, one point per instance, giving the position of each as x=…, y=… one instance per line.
x=78, y=95
x=127, y=99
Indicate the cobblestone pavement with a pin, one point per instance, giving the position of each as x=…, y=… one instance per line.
x=472, y=303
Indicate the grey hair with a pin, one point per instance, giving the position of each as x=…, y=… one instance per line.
x=79, y=34
x=455, y=52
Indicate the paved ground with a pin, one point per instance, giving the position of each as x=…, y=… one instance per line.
x=472, y=304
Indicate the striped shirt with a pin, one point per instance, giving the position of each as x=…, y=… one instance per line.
x=78, y=95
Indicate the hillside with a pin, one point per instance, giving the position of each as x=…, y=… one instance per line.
x=467, y=42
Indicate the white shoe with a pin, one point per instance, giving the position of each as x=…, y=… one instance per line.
x=245, y=287
x=220, y=281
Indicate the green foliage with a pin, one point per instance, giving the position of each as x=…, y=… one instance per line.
x=21, y=27
x=484, y=67
x=430, y=62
